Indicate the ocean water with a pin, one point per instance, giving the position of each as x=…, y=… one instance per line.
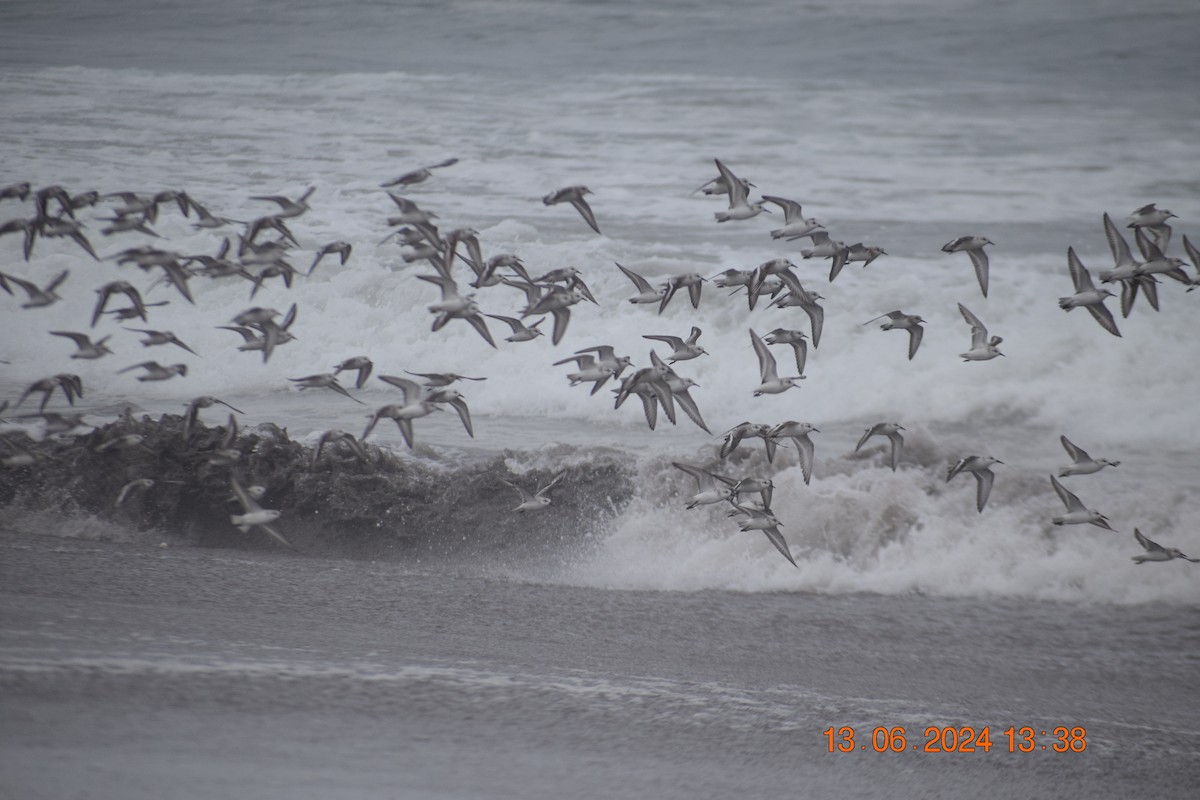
x=898, y=124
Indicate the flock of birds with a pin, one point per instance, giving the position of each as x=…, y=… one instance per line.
x=261, y=252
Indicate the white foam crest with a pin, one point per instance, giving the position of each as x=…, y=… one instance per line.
x=872, y=530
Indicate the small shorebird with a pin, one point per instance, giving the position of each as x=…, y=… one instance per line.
x=795, y=226
x=734, y=436
x=71, y=385
x=980, y=466
x=771, y=382
x=255, y=516
x=38, y=297
x=539, y=499
x=520, y=331
x=739, y=206
x=798, y=432
x=982, y=348
x=606, y=356
x=340, y=249
x=707, y=491
x=589, y=371
x=646, y=293
x=192, y=415
x=139, y=485
x=860, y=252
x=333, y=437
x=694, y=282
x=681, y=349
x=973, y=247
x=117, y=287
x=899, y=321
x=288, y=208
x=416, y=404
x=892, y=431
x=1083, y=463
x=325, y=380
x=161, y=337
x=1076, y=514
x=574, y=196
x=1127, y=271
x=1154, y=220
x=156, y=371
x=1156, y=552
x=416, y=176
x=360, y=364
x=825, y=247
x=86, y=347
x=1087, y=295
x=752, y=519
x=796, y=339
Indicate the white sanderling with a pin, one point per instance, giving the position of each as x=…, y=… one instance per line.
x=899, y=321
x=807, y=301
x=192, y=414
x=982, y=347
x=1148, y=216
x=795, y=226
x=156, y=371
x=707, y=491
x=1157, y=263
x=1156, y=552
x=860, y=252
x=255, y=515
x=1087, y=295
x=413, y=177
x=438, y=393
x=798, y=432
x=825, y=247
x=325, y=380
x=1076, y=514
x=681, y=349
x=1127, y=271
x=588, y=372
x=646, y=293
x=574, y=196
x=71, y=385
x=341, y=249
x=733, y=437
x=360, y=364
x=752, y=519
x=1083, y=464
x=763, y=487
x=794, y=338
x=415, y=405
x=520, y=331
x=973, y=247
x=539, y=499
x=778, y=267
x=606, y=356
x=288, y=207
x=139, y=485
x=85, y=347
x=455, y=306
x=38, y=297
x=739, y=205
x=771, y=382
x=332, y=437
x=892, y=431
x=694, y=282
x=160, y=337
x=980, y=467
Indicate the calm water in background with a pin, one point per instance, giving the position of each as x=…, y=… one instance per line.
x=668, y=655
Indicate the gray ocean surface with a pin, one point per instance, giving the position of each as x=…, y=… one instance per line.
x=661, y=654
